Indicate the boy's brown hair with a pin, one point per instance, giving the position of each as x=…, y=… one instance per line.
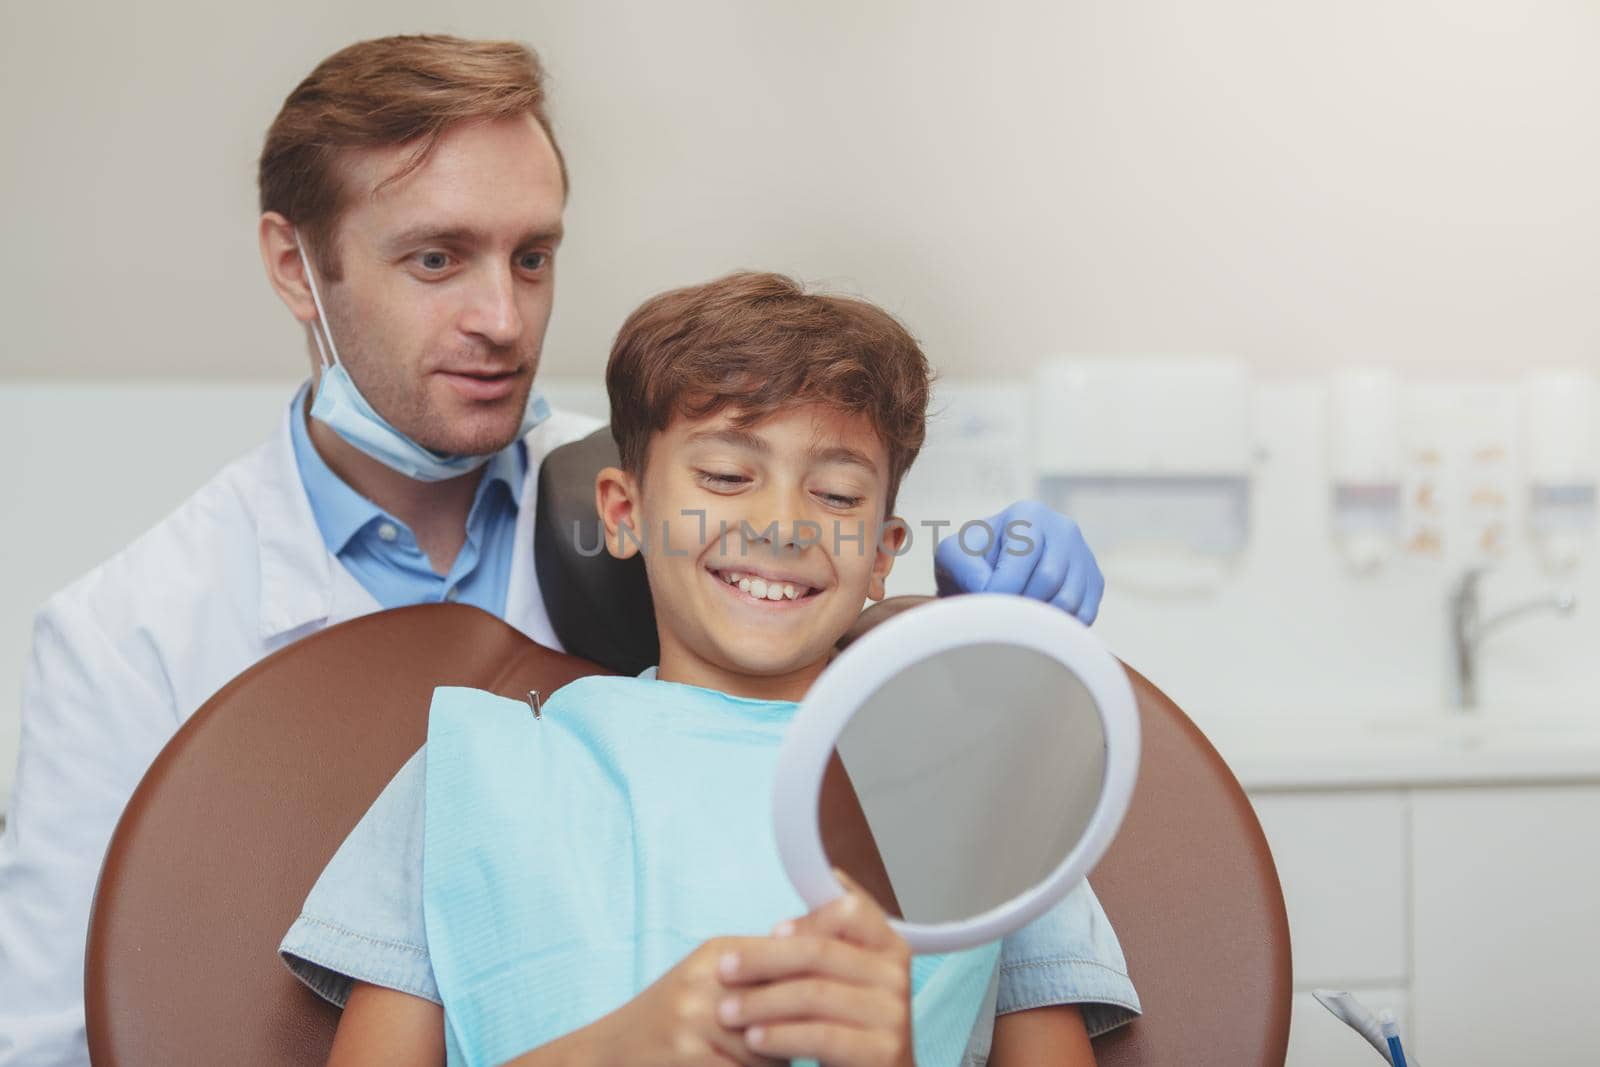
x=381, y=93
x=762, y=343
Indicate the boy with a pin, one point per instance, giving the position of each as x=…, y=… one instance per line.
x=763, y=435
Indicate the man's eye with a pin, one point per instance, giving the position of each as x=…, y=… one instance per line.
x=535, y=260
x=434, y=261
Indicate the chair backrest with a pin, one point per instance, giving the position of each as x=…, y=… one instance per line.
x=1190, y=888
x=240, y=812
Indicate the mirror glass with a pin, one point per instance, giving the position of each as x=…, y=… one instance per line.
x=966, y=761
x=963, y=780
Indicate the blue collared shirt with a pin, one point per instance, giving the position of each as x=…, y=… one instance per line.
x=382, y=553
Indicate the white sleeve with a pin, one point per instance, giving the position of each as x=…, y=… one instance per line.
x=91, y=725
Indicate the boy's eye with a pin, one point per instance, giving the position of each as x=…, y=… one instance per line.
x=725, y=480
x=729, y=481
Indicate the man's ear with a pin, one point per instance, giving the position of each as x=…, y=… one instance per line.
x=616, y=499
x=891, y=542
x=281, y=256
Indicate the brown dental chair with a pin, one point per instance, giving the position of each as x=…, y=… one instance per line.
x=239, y=813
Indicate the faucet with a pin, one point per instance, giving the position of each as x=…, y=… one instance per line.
x=1468, y=627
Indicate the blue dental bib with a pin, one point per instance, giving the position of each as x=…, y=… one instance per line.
x=569, y=861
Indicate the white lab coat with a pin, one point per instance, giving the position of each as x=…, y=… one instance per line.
x=123, y=656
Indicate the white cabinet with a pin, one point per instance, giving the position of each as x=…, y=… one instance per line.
x=1342, y=860
x=1344, y=864
x=1473, y=913
x=1507, y=925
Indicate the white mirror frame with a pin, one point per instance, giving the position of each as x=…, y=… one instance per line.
x=908, y=638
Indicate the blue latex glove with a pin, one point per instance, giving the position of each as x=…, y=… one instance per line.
x=1057, y=567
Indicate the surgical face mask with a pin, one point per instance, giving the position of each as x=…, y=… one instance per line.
x=341, y=406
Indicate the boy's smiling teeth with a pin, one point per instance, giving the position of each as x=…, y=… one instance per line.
x=763, y=589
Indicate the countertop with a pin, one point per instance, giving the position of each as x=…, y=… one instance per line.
x=1431, y=748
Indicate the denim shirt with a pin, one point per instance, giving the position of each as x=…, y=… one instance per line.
x=363, y=920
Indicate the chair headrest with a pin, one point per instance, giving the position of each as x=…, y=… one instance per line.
x=599, y=605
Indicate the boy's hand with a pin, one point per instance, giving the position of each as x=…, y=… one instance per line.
x=673, y=1022
x=834, y=986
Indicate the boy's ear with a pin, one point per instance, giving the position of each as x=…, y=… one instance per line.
x=891, y=542
x=616, y=498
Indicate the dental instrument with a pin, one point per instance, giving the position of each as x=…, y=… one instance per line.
x=1350, y=1011
x=1391, y=1037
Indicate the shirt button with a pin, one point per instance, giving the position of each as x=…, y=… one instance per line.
x=453, y=593
x=387, y=532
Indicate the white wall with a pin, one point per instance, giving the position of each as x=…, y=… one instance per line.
x=97, y=465
x=1295, y=182
x=1289, y=628
x=1289, y=631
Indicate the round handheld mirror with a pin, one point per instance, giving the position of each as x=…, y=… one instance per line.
x=967, y=762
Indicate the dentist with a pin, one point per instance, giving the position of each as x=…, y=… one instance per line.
x=411, y=197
